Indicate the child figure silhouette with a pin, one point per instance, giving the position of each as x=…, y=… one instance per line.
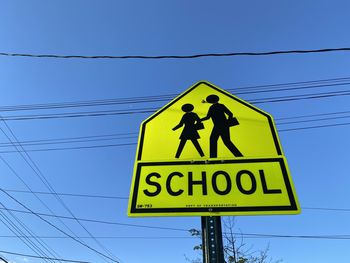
x=189, y=120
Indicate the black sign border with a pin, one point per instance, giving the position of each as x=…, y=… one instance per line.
x=292, y=207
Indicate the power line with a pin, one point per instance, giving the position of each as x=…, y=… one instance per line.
x=346, y=237
x=314, y=120
x=249, y=235
x=285, y=87
x=30, y=190
x=126, y=198
x=151, y=110
x=88, y=103
x=245, y=235
x=78, y=139
x=313, y=115
x=57, y=228
x=301, y=97
x=93, y=220
x=69, y=194
x=43, y=179
x=306, y=84
x=20, y=178
x=132, y=135
x=166, y=97
x=77, y=114
x=146, y=226
x=74, y=148
x=338, y=237
x=19, y=233
x=15, y=173
x=315, y=127
x=194, y=56
x=45, y=247
x=38, y=143
x=134, y=143
x=39, y=257
x=327, y=209
x=104, y=237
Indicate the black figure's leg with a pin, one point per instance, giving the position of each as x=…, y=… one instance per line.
x=214, y=136
x=180, y=148
x=225, y=135
x=198, y=147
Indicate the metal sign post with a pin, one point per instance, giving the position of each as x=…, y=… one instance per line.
x=213, y=250
x=233, y=165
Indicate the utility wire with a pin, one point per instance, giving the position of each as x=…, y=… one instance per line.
x=319, y=119
x=245, y=235
x=44, y=258
x=312, y=115
x=147, y=99
x=69, y=194
x=38, y=172
x=126, y=198
x=132, y=135
x=88, y=103
x=57, y=228
x=18, y=232
x=77, y=114
x=328, y=209
x=346, y=237
x=103, y=237
x=134, y=143
x=299, y=84
x=145, y=226
x=30, y=190
x=73, y=148
x=194, y=56
x=78, y=139
x=301, y=97
x=27, y=229
x=35, y=171
x=151, y=110
x=313, y=127
x=313, y=86
x=92, y=220
x=36, y=143
x=249, y=235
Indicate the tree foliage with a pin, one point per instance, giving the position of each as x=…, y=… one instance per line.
x=235, y=248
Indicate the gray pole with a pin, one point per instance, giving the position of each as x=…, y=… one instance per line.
x=213, y=251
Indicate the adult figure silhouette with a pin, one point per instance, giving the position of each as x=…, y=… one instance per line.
x=217, y=112
x=189, y=132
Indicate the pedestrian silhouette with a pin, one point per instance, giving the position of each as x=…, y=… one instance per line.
x=192, y=122
x=217, y=112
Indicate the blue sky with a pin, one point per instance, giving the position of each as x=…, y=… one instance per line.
x=317, y=157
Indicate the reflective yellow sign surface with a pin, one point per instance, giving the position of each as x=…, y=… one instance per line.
x=208, y=152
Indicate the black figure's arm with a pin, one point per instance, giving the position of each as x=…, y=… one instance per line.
x=227, y=111
x=197, y=118
x=179, y=125
x=207, y=117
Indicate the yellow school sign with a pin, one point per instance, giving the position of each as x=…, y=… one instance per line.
x=209, y=153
